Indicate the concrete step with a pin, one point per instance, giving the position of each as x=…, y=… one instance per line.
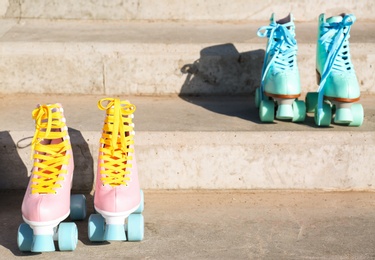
x=257, y=225
x=201, y=143
x=140, y=58
x=211, y=10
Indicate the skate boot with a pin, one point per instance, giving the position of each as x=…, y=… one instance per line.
x=280, y=82
x=118, y=199
x=47, y=200
x=338, y=84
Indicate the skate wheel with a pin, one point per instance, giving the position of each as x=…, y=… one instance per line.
x=141, y=205
x=299, y=111
x=311, y=101
x=358, y=115
x=67, y=236
x=24, y=237
x=257, y=97
x=96, y=227
x=326, y=116
x=135, y=227
x=267, y=111
x=77, y=207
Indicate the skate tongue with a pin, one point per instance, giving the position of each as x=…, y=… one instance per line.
x=334, y=19
x=286, y=19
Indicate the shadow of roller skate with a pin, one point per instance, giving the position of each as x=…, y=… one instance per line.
x=13, y=171
x=83, y=163
x=83, y=177
x=13, y=174
x=221, y=76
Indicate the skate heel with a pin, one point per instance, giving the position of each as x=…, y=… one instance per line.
x=115, y=232
x=43, y=243
x=285, y=109
x=343, y=113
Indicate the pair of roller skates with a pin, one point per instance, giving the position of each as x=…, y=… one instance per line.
x=48, y=202
x=280, y=82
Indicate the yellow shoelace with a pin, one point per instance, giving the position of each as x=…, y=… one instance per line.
x=49, y=149
x=115, y=142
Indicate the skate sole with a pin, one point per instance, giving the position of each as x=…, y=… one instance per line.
x=342, y=100
x=291, y=96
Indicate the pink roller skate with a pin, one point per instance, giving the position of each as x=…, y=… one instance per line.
x=117, y=193
x=47, y=201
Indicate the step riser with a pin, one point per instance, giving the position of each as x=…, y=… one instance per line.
x=218, y=10
x=153, y=69
x=223, y=160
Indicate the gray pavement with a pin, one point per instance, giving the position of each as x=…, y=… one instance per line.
x=226, y=225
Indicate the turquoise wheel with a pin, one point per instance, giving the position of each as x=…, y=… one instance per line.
x=311, y=101
x=96, y=228
x=25, y=237
x=135, y=227
x=267, y=111
x=141, y=205
x=77, y=207
x=358, y=115
x=257, y=97
x=67, y=236
x=299, y=111
x=326, y=115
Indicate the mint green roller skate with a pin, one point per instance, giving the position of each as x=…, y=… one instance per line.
x=280, y=83
x=338, y=84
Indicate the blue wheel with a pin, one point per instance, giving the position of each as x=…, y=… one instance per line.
x=77, y=207
x=135, y=227
x=299, y=111
x=311, y=101
x=326, y=116
x=25, y=237
x=67, y=236
x=267, y=111
x=141, y=205
x=96, y=228
x=358, y=115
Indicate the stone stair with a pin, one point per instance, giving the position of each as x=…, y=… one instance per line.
x=191, y=69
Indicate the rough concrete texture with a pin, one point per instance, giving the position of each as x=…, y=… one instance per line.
x=219, y=10
x=202, y=143
x=226, y=225
x=138, y=58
